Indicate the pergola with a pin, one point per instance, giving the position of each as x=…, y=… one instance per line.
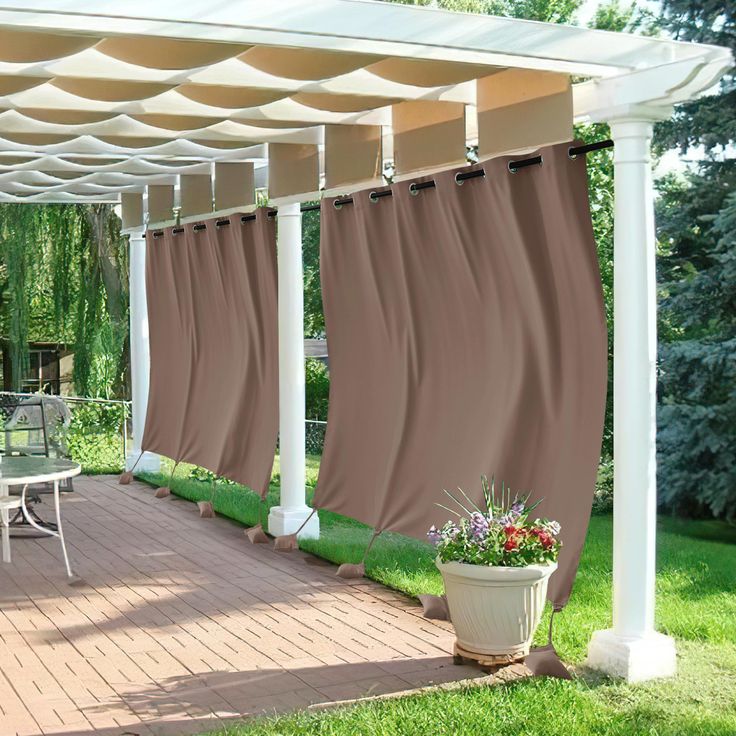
x=181, y=110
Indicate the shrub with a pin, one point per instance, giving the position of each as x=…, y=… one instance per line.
x=317, y=389
x=94, y=437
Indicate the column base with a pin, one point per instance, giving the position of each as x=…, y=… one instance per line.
x=150, y=462
x=282, y=520
x=634, y=658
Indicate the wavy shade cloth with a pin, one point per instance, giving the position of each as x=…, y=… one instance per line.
x=467, y=336
x=212, y=314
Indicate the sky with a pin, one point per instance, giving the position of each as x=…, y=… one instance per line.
x=586, y=12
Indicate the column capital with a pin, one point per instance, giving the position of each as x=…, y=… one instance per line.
x=135, y=233
x=631, y=131
x=627, y=113
x=290, y=209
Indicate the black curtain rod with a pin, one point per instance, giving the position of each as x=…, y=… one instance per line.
x=414, y=188
x=461, y=176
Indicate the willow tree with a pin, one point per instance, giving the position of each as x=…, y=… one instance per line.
x=102, y=315
x=17, y=265
x=63, y=279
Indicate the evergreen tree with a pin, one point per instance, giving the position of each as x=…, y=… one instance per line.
x=697, y=271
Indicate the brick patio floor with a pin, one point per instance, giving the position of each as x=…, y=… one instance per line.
x=179, y=624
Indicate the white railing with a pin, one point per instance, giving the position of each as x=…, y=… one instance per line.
x=102, y=429
x=314, y=429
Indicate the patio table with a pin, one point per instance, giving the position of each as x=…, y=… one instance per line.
x=25, y=471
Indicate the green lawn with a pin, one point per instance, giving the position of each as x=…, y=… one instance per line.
x=696, y=603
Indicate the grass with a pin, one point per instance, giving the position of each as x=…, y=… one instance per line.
x=696, y=603
x=531, y=708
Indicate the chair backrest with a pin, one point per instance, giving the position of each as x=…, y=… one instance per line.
x=33, y=425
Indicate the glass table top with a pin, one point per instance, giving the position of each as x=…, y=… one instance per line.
x=35, y=469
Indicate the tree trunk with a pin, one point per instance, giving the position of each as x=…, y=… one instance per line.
x=109, y=246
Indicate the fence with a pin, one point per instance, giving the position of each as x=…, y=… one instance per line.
x=99, y=432
x=315, y=436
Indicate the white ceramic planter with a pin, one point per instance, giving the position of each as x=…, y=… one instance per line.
x=495, y=610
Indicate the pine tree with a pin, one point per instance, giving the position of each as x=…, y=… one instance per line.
x=697, y=270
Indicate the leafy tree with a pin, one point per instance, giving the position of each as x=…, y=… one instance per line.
x=314, y=318
x=318, y=390
x=63, y=279
x=549, y=11
x=613, y=16
x=16, y=257
x=600, y=188
x=101, y=365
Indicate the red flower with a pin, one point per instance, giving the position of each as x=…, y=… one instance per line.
x=510, y=544
x=510, y=530
x=546, y=540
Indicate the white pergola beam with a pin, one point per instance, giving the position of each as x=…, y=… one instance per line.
x=385, y=30
x=659, y=87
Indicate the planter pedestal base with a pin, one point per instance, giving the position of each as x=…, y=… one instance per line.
x=485, y=661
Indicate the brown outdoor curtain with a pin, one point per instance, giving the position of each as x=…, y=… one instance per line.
x=212, y=314
x=467, y=336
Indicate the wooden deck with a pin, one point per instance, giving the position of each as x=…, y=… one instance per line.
x=179, y=624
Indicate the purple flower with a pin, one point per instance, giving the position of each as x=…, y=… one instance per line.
x=434, y=535
x=517, y=508
x=478, y=525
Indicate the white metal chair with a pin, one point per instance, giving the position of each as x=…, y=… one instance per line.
x=6, y=504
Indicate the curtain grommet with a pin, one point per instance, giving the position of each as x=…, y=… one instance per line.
x=458, y=180
x=336, y=204
x=413, y=190
x=373, y=198
x=524, y=163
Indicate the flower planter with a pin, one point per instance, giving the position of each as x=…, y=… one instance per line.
x=495, y=610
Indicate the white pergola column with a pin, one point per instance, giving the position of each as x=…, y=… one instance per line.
x=140, y=356
x=293, y=511
x=632, y=648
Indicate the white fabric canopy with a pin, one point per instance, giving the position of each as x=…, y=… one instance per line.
x=158, y=89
